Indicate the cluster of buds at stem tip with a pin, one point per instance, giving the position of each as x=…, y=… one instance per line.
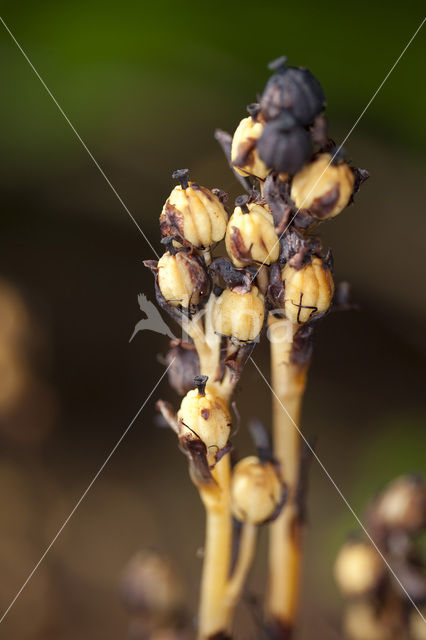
x=275, y=266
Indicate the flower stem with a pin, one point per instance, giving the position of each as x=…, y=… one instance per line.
x=213, y=616
x=246, y=552
x=288, y=383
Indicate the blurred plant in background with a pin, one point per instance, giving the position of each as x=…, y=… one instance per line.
x=378, y=608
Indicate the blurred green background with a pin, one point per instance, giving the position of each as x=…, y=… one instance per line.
x=145, y=85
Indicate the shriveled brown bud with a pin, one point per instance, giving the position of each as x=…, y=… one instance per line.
x=292, y=89
x=244, y=156
x=359, y=569
x=182, y=279
x=284, y=145
x=402, y=505
x=308, y=290
x=239, y=313
x=257, y=490
x=194, y=213
x=184, y=365
x=251, y=237
x=204, y=416
x=323, y=188
x=150, y=585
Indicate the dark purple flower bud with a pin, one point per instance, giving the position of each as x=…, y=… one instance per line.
x=294, y=89
x=284, y=145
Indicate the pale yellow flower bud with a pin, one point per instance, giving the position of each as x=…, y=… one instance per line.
x=182, y=279
x=359, y=569
x=244, y=156
x=205, y=416
x=239, y=314
x=308, y=290
x=402, y=505
x=323, y=188
x=256, y=490
x=251, y=237
x=195, y=213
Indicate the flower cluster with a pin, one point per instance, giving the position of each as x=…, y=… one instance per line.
x=378, y=608
x=275, y=267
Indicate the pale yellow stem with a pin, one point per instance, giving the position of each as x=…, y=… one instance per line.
x=213, y=615
x=218, y=597
x=246, y=552
x=288, y=382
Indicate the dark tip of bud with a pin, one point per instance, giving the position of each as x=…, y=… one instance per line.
x=253, y=109
x=338, y=155
x=168, y=243
x=181, y=175
x=241, y=202
x=279, y=64
x=200, y=382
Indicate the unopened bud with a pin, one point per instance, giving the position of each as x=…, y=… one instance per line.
x=150, y=585
x=402, y=506
x=308, y=290
x=182, y=279
x=239, y=314
x=257, y=490
x=251, y=237
x=194, y=213
x=284, y=145
x=359, y=569
x=322, y=187
x=244, y=156
x=204, y=416
x=292, y=89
